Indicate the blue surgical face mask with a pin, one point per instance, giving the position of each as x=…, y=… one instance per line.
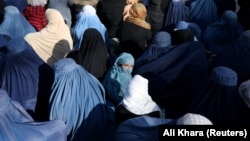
x=127, y=70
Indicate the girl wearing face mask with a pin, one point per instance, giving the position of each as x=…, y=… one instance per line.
x=118, y=77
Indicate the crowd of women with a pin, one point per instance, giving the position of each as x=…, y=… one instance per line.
x=114, y=70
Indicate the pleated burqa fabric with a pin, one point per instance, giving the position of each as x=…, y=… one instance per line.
x=87, y=18
x=176, y=77
x=220, y=102
x=17, y=125
x=160, y=44
x=175, y=12
x=54, y=41
x=15, y=24
x=78, y=99
x=236, y=56
x=26, y=77
x=203, y=12
x=222, y=32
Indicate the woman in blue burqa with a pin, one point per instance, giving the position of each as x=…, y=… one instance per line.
x=78, y=99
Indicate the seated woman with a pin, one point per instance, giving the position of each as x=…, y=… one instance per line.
x=27, y=78
x=78, y=99
x=220, y=100
x=176, y=77
x=136, y=102
x=118, y=77
x=92, y=55
x=87, y=18
x=160, y=44
x=52, y=42
x=131, y=41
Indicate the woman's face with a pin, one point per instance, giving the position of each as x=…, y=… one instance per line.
x=127, y=68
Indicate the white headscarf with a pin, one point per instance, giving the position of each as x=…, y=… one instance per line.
x=54, y=41
x=193, y=119
x=136, y=99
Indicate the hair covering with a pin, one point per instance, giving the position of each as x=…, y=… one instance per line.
x=77, y=98
x=19, y=28
x=92, y=54
x=176, y=11
x=88, y=18
x=193, y=119
x=117, y=79
x=220, y=99
x=25, y=76
x=227, y=29
x=17, y=125
x=236, y=56
x=63, y=7
x=54, y=41
x=37, y=2
x=136, y=99
x=143, y=128
x=19, y=4
x=189, y=25
x=159, y=45
x=203, y=12
x=35, y=14
x=137, y=15
x=176, y=77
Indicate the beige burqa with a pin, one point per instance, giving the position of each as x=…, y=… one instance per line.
x=54, y=41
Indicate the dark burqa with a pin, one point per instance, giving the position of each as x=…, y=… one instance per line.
x=92, y=54
x=236, y=56
x=220, y=101
x=176, y=77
